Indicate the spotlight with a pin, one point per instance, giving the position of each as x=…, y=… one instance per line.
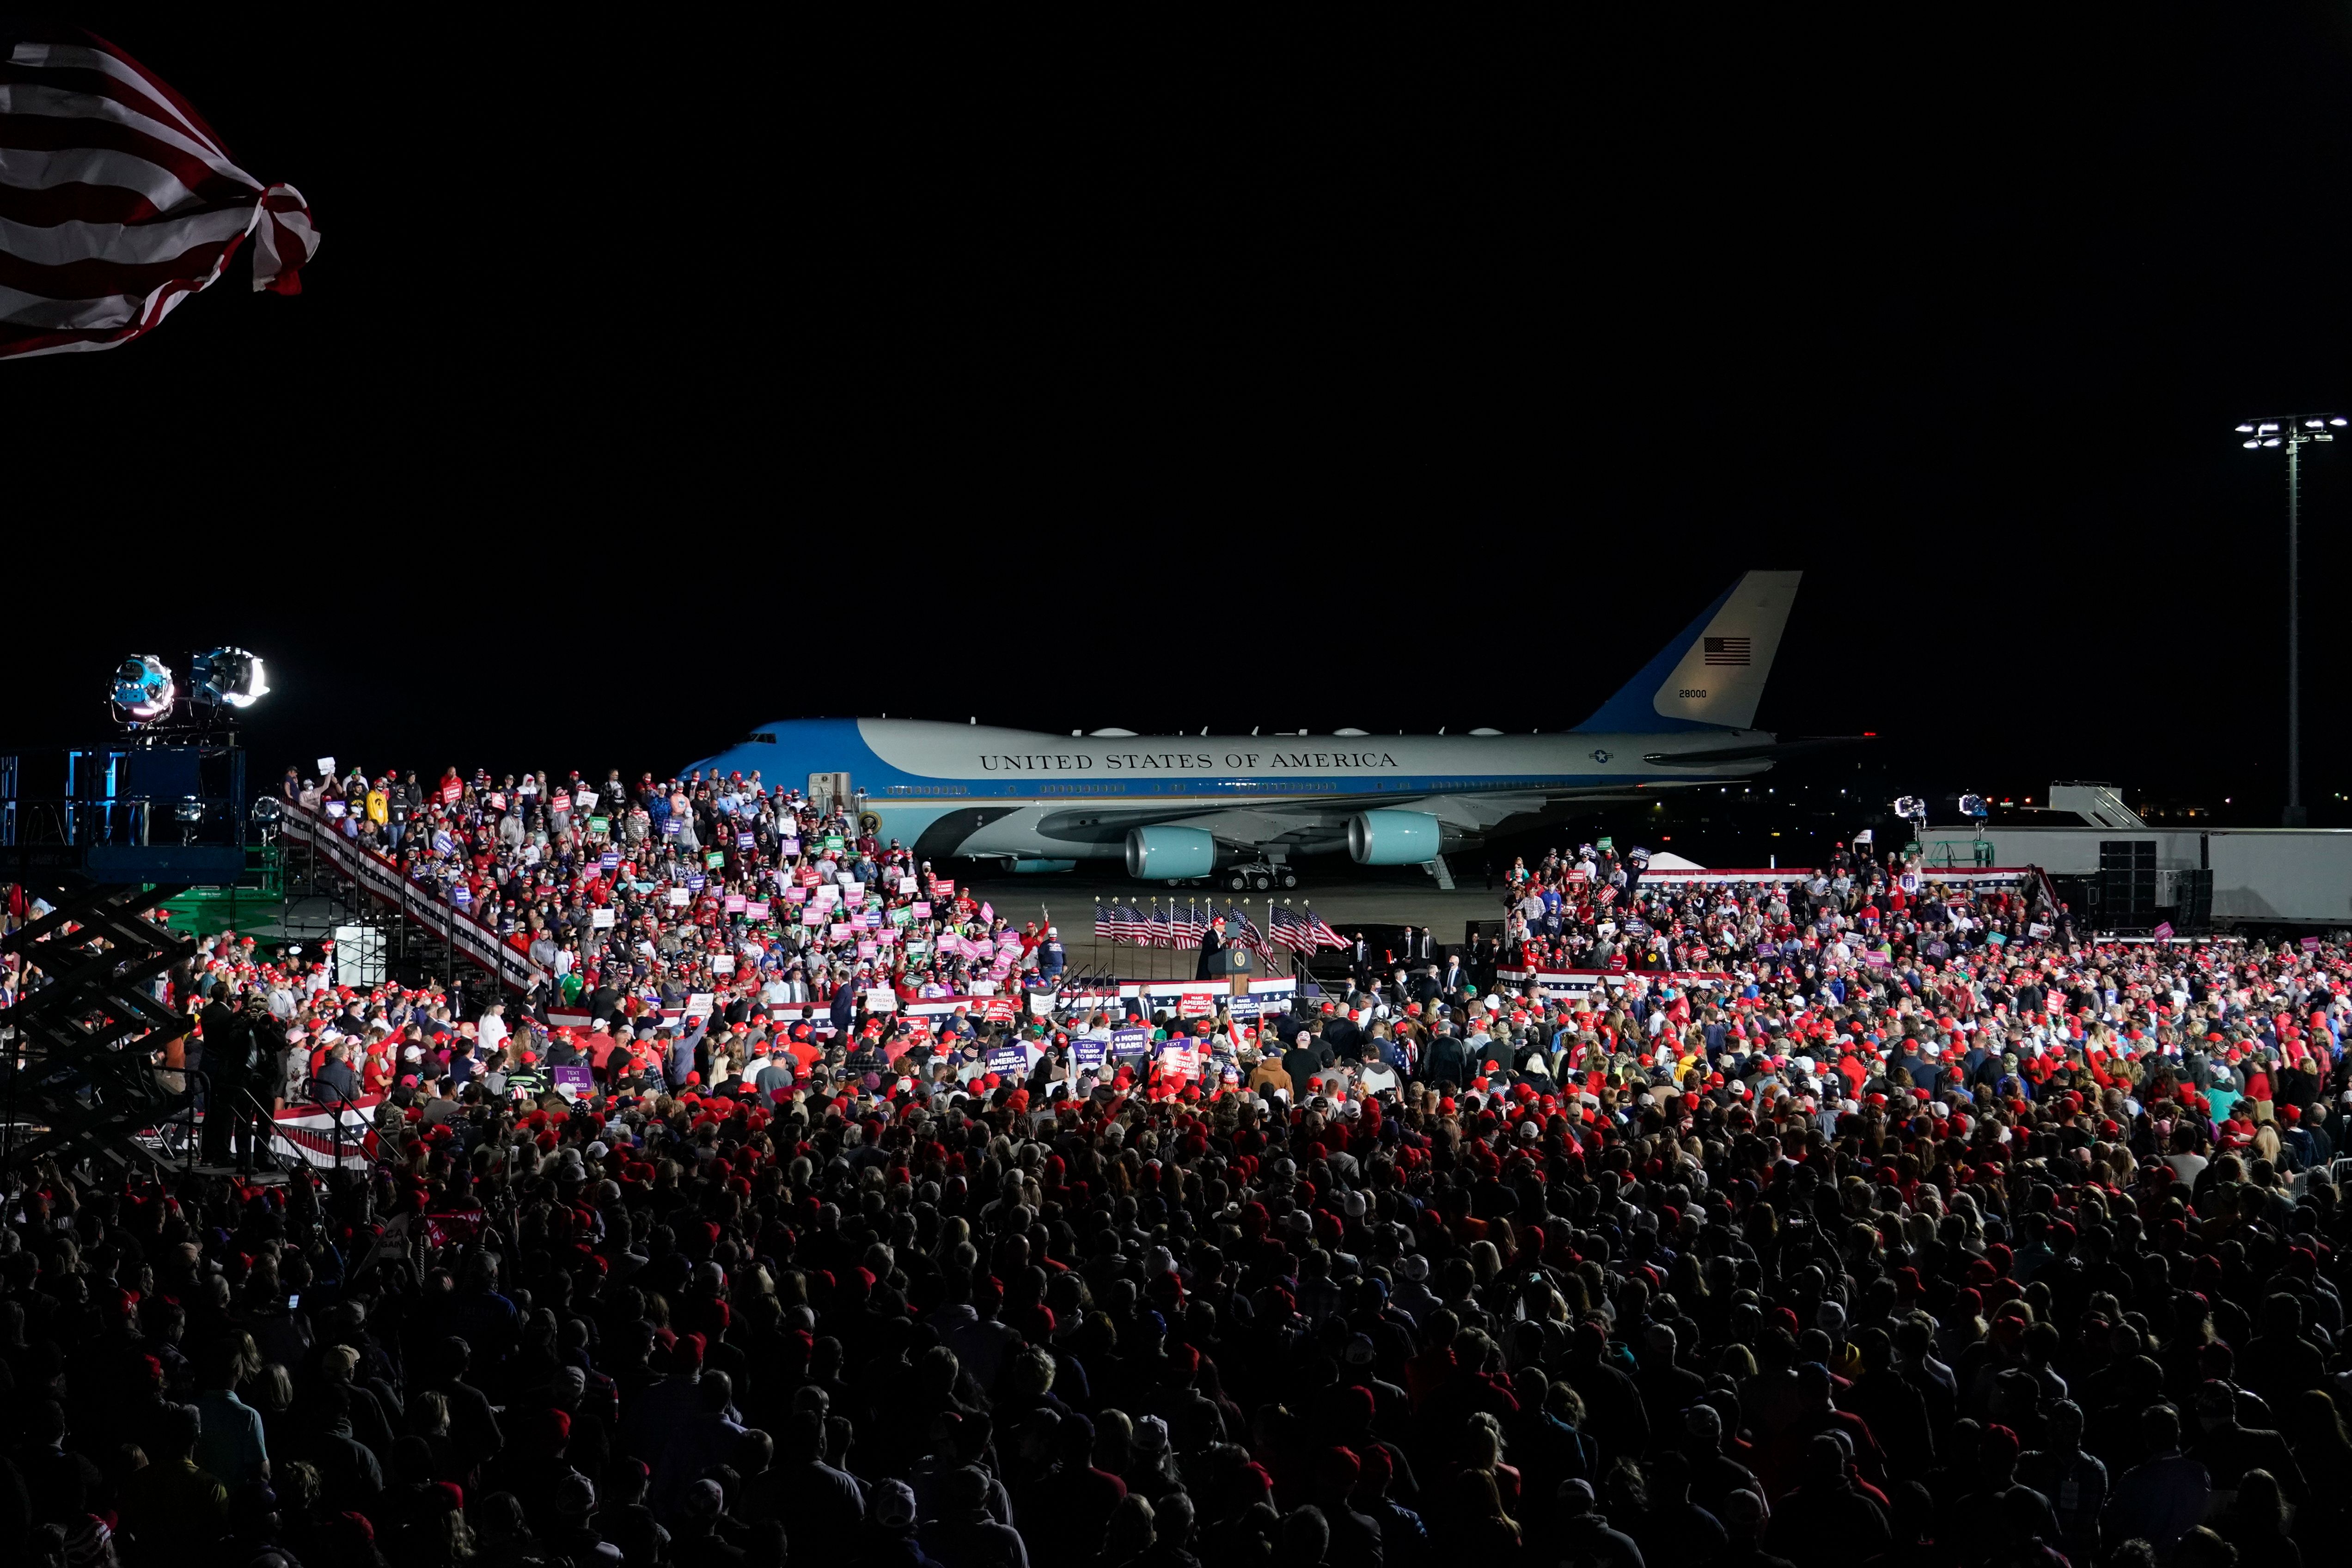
x=269, y=811
x=143, y=689
x=1907, y=807
x=188, y=809
x=229, y=676
x=1973, y=806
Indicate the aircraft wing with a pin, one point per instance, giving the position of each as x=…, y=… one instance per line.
x=1320, y=821
x=1767, y=750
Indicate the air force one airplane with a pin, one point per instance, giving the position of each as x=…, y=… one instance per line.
x=1180, y=807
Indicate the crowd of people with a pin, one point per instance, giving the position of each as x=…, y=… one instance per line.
x=1854, y=1220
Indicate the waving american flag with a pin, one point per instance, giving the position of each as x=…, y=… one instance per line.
x=117, y=201
x=1292, y=931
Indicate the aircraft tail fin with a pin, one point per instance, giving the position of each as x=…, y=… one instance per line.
x=1712, y=675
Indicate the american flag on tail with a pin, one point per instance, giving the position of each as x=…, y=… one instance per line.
x=117, y=201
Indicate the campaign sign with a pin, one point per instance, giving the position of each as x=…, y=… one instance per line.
x=600, y=920
x=755, y=909
x=1136, y=1041
x=1009, y=1061
x=920, y=910
x=1086, y=1055
x=572, y=1082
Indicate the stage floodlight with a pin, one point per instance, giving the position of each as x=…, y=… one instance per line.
x=188, y=809
x=229, y=676
x=1907, y=807
x=143, y=689
x=1972, y=806
x=269, y=811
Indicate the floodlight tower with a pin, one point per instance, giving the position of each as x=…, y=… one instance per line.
x=2293, y=432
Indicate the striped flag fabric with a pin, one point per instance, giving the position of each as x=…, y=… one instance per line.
x=1259, y=942
x=1190, y=924
x=1726, y=651
x=1161, y=928
x=1104, y=923
x=1320, y=929
x=1292, y=931
x=1242, y=931
x=117, y=201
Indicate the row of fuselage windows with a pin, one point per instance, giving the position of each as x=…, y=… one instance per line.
x=1280, y=787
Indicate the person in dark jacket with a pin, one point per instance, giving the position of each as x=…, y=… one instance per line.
x=1212, y=948
x=965, y=1535
x=1828, y=1522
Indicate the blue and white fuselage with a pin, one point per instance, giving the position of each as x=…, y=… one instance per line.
x=1174, y=805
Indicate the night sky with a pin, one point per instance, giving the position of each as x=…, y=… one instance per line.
x=652, y=383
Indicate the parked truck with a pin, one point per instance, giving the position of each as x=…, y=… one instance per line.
x=2131, y=876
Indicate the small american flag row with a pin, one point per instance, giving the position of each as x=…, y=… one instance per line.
x=1292, y=931
x=1180, y=925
